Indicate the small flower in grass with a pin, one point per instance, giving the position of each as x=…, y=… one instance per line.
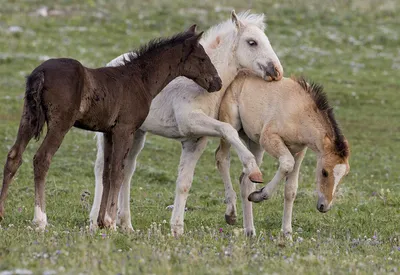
x=300, y=239
x=398, y=248
x=220, y=230
x=104, y=235
x=19, y=209
x=58, y=252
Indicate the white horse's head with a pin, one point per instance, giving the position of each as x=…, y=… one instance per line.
x=253, y=49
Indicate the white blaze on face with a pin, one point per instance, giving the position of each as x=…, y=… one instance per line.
x=338, y=172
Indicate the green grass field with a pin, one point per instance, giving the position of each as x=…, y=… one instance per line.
x=352, y=47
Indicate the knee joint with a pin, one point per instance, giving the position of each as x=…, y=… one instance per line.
x=286, y=165
x=183, y=188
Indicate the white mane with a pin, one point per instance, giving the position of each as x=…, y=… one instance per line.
x=227, y=26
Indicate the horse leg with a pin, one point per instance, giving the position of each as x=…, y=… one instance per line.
x=247, y=187
x=102, y=165
x=98, y=175
x=275, y=146
x=14, y=157
x=228, y=114
x=223, y=161
x=199, y=124
x=102, y=176
x=124, y=213
x=41, y=165
x=191, y=152
x=122, y=139
x=292, y=181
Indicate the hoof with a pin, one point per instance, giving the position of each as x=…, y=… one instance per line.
x=93, y=227
x=126, y=228
x=177, y=230
x=230, y=219
x=256, y=177
x=1, y=212
x=258, y=196
x=250, y=232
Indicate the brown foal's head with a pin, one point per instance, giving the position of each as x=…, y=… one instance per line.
x=196, y=64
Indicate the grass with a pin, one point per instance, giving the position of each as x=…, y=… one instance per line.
x=350, y=46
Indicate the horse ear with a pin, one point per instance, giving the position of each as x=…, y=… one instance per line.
x=235, y=19
x=194, y=40
x=328, y=142
x=192, y=29
x=198, y=36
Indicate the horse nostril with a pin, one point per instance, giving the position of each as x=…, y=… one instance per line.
x=321, y=207
x=272, y=70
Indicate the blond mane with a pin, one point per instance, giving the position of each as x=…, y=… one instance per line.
x=228, y=26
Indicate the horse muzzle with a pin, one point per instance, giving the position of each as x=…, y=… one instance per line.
x=322, y=205
x=215, y=84
x=272, y=72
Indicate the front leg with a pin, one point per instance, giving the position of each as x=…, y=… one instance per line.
x=102, y=186
x=275, y=146
x=222, y=157
x=191, y=152
x=122, y=138
x=124, y=212
x=292, y=182
x=197, y=123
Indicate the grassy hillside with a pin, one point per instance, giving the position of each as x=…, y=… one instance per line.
x=349, y=46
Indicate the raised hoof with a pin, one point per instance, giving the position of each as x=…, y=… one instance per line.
x=230, y=219
x=256, y=177
x=258, y=196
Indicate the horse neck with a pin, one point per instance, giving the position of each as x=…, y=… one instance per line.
x=315, y=129
x=159, y=69
x=222, y=58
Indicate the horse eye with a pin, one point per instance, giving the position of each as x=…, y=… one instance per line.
x=252, y=43
x=325, y=173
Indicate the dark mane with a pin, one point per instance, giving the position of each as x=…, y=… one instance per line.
x=156, y=44
x=316, y=92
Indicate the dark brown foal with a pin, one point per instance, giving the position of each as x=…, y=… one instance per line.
x=113, y=100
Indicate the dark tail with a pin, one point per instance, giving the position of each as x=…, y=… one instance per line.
x=33, y=97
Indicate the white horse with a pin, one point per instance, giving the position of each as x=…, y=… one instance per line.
x=186, y=112
x=283, y=118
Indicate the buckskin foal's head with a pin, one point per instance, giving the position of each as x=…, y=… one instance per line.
x=333, y=158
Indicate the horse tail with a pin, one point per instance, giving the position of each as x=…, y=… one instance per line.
x=35, y=112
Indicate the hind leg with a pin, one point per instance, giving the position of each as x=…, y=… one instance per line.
x=41, y=165
x=14, y=157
